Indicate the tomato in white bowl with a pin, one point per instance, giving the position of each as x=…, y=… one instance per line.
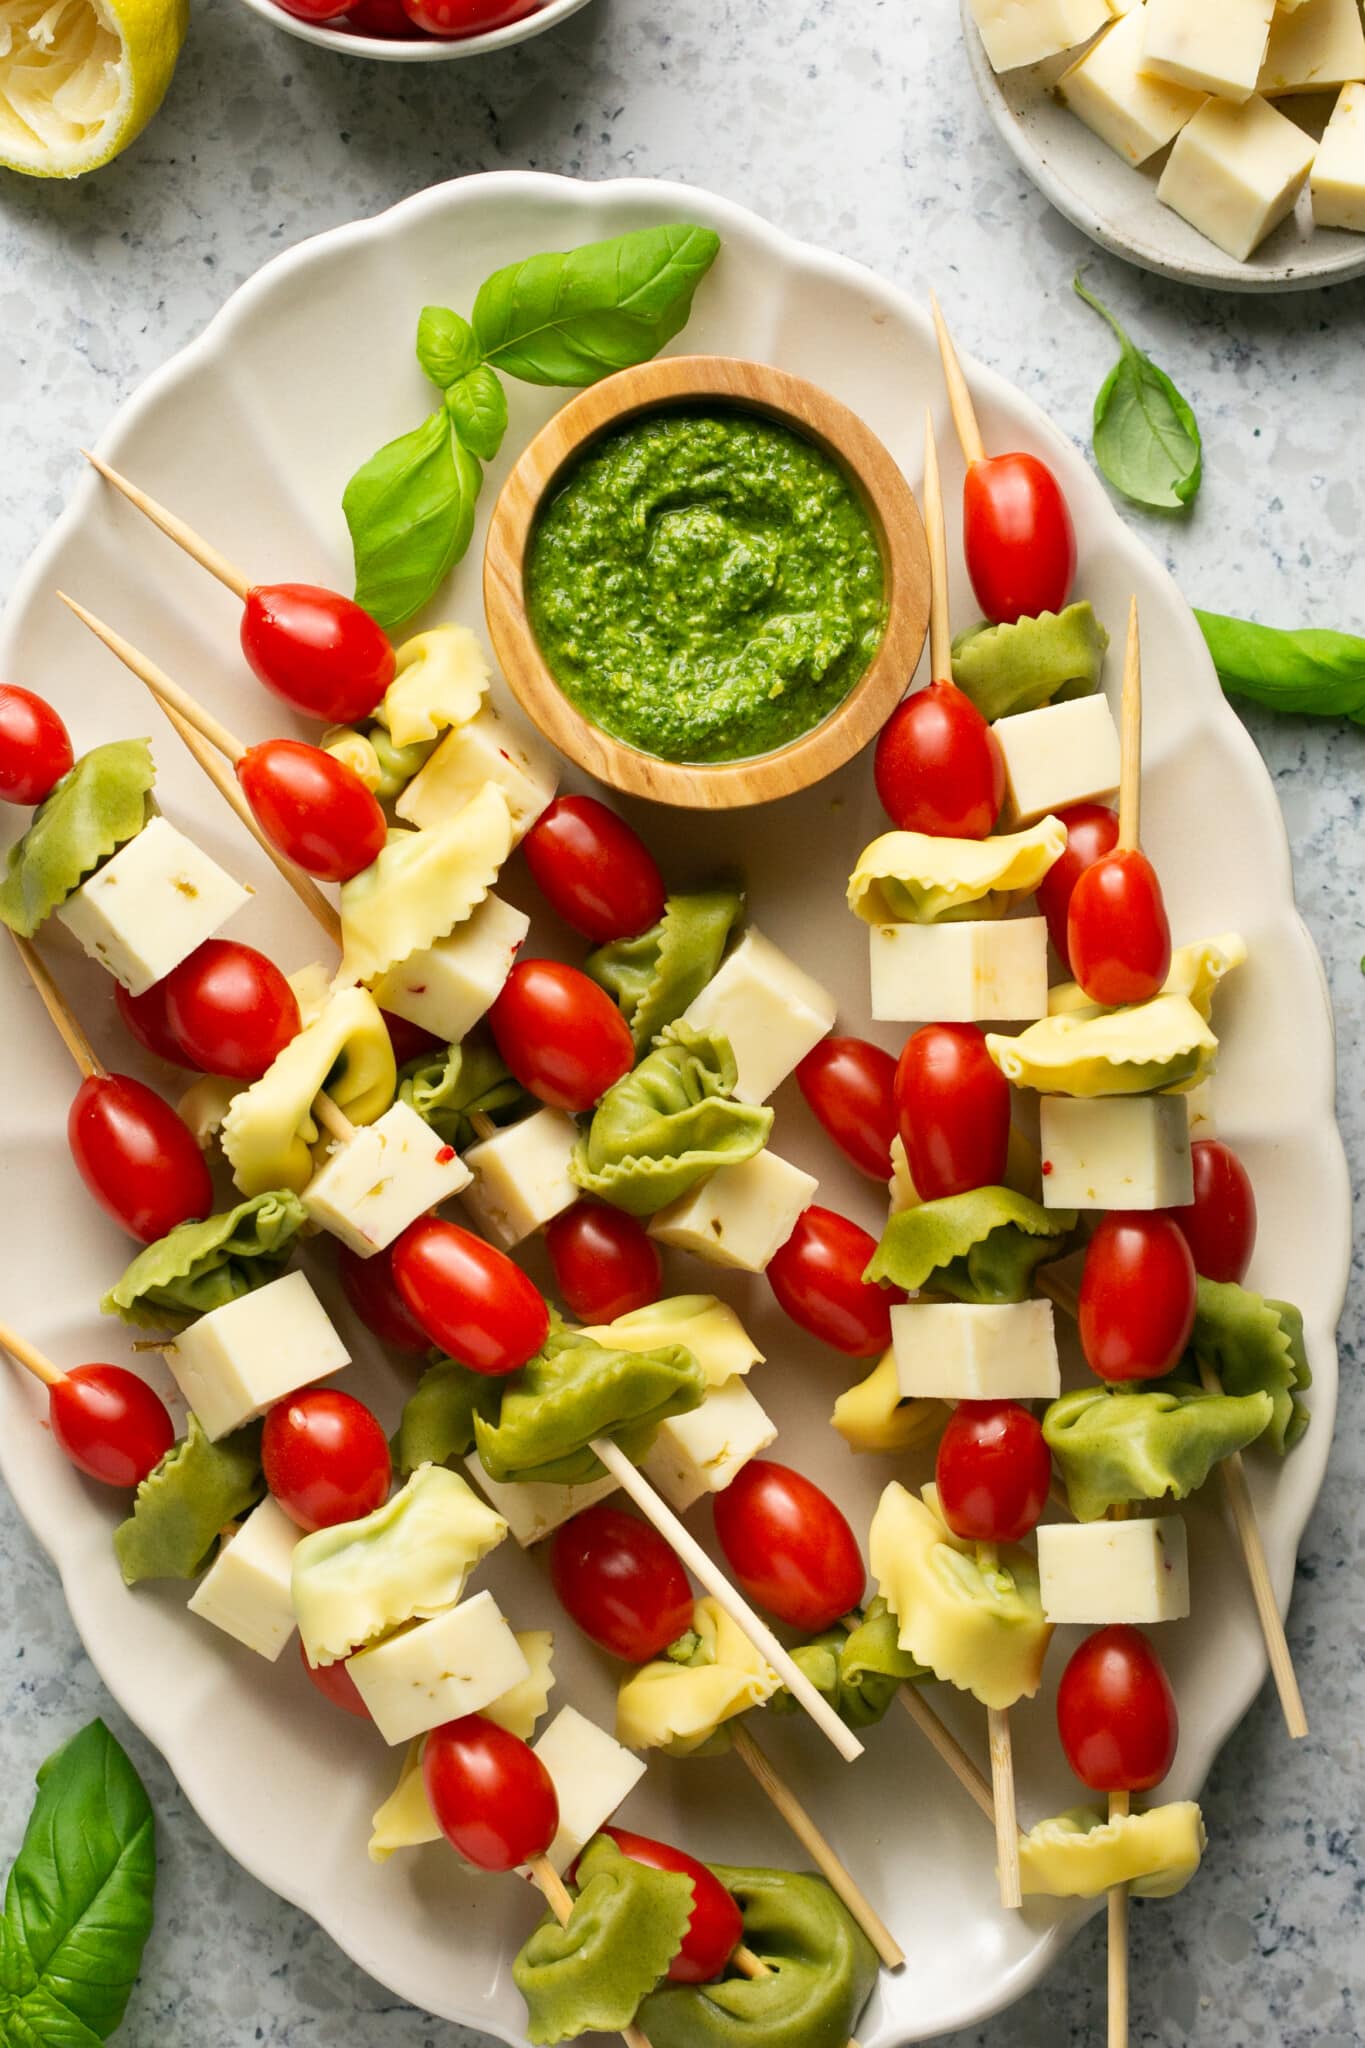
x=415, y=31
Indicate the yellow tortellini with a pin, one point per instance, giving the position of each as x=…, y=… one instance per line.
x=701, y=1324
x=1161, y=1045
x=977, y=1626
x=355, y=750
x=440, y=679
x=873, y=1416
x=1080, y=1854
x=268, y=1130
x=1195, y=973
x=422, y=885
x=680, y=1707
x=915, y=878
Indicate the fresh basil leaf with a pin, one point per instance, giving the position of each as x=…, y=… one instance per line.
x=477, y=404
x=78, y=1904
x=446, y=348
x=1146, y=437
x=1317, y=672
x=410, y=510
x=573, y=317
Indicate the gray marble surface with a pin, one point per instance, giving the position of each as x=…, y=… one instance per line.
x=854, y=125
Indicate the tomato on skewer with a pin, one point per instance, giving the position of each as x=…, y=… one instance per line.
x=561, y=1035
x=145, y=1019
x=953, y=1107
x=319, y=651
x=110, y=1423
x=489, y=1793
x=1219, y=1225
x=1091, y=830
x=1116, y=1713
x=1118, y=937
x=1137, y=1297
x=817, y=1276
x=230, y=1009
x=938, y=766
x=621, y=1582
x=35, y=747
x=605, y=1262
x=470, y=1298
x=1017, y=536
x=849, y=1085
x=326, y=1460
x=336, y=1684
x=372, y=1291
x=789, y=1546
x=594, y=870
x=716, y=1928
x=313, y=808
x=993, y=1471
x=137, y=1157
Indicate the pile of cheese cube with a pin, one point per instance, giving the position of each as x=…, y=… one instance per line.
x=1209, y=77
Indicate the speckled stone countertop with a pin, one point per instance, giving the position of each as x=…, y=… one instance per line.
x=857, y=127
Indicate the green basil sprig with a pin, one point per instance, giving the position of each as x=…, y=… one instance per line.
x=78, y=1904
x=1316, y=672
x=1146, y=437
x=561, y=319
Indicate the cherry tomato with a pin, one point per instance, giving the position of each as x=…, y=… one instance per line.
x=490, y=1794
x=1116, y=1713
x=1137, y=1296
x=35, y=747
x=1018, y=537
x=1219, y=1226
x=110, y=1423
x=605, y=1263
x=382, y=18
x=562, y=1036
x=326, y=1460
x=469, y=1297
x=230, y=1008
x=1118, y=939
x=594, y=870
x=953, y=1104
x=467, y=17
x=938, y=766
x=993, y=1473
x=789, y=1546
x=817, y=1276
x=145, y=1018
x=137, y=1157
x=1091, y=830
x=409, y=1041
x=315, y=648
x=317, y=11
x=372, y=1291
x=716, y=1928
x=849, y=1085
x=315, y=809
x=621, y=1582
x=335, y=1683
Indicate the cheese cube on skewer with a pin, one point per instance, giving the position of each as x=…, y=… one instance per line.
x=1339, y=167
x=1315, y=49
x=739, y=1215
x=969, y=1351
x=972, y=972
x=240, y=1359
x=457, y=1663
x=490, y=748
x=385, y=1177
x=702, y=1451
x=521, y=1176
x=447, y=987
x=1101, y=1572
x=1017, y=32
x=1128, y=108
x=1116, y=1152
x=1063, y=754
x=770, y=1009
x=246, y=1591
x=592, y=1774
x=147, y=909
x=532, y=1509
x=1213, y=46
x=1235, y=173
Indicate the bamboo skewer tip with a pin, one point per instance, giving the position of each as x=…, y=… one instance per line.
x=175, y=528
x=959, y=397
x=30, y=1357
x=88, y=1062
x=940, y=632
x=1130, y=738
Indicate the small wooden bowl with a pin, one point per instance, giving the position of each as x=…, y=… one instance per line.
x=891, y=509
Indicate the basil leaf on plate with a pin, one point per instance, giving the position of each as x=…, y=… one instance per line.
x=1317, y=672
x=1146, y=438
x=573, y=317
x=410, y=510
x=78, y=1904
x=446, y=348
x=477, y=404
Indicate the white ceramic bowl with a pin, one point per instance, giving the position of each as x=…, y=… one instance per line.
x=420, y=49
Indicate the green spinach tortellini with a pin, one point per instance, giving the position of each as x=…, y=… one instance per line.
x=669, y=1124
x=655, y=976
x=97, y=807
x=589, y=1976
x=1113, y=1447
x=1044, y=659
x=200, y=1266
x=184, y=1504
x=1255, y=1345
x=449, y=1086
x=859, y=1670
x=981, y=1247
x=574, y=1390
x=437, y=1424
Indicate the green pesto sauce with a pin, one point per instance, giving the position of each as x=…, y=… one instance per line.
x=706, y=586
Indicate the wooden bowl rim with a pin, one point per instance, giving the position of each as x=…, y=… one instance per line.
x=884, y=492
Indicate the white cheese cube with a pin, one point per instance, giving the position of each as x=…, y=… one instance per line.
x=967, y=973
x=1062, y=754
x=246, y=1591
x=1100, y=1572
x=242, y=1358
x=1017, y=32
x=1133, y=112
x=531, y=1509
x=970, y=1351
x=147, y=909
x=1116, y=1152
x=438, y=1671
x=770, y=1009
x=592, y=1774
x=447, y=987
x=521, y=1176
x=1339, y=167
x=739, y=1215
x=381, y=1180
x=490, y=748
x=1209, y=45
x=702, y=1451
x=1235, y=173
x=1314, y=49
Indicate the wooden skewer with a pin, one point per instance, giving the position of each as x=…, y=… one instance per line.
x=1002, y=1782
x=184, y=536
x=1118, y=1944
x=1130, y=739
x=160, y=684
x=959, y=397
x=940, y=632
x=948, y=1748
x=30, y=1357
x=557, y=1898
x=59, y=1010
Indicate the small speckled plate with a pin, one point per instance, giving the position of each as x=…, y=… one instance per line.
x=1116, y=205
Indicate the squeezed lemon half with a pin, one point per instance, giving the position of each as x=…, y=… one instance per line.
x=79, y=79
